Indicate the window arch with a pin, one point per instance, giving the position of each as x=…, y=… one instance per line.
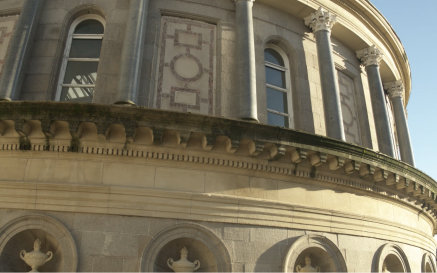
x=78, y=74
x=278, y=87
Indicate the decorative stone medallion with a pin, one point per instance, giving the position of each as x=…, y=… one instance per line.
x=186, y=78
x=7, y=27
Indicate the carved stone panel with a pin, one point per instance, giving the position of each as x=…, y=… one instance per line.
x=186, y=78
x=7, y=27
x=349, y=109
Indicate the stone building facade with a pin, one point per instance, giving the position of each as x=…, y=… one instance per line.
x=264, y=135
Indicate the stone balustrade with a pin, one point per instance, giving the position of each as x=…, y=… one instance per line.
x=130, y=132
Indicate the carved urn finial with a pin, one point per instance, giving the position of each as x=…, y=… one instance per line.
x=183, y=265
x=384, y=268
x=307, y=267
x=36, y=258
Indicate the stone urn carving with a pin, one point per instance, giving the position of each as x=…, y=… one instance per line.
x=307, y=267
x=384, y=268
x=36, y=258
x=183, y=265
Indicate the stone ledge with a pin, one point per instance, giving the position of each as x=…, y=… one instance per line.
x=133, y=132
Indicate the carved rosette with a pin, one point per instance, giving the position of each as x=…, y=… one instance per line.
x=321, y=20
x=370, y=56
x=395, y=89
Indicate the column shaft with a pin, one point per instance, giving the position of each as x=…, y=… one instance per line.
x=330, y=88
x=19, y=50
x=132, y=54
x=246, y=72
x=380, y=114
x=403, y=133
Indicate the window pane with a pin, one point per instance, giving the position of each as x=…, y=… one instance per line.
x=273, y=56
x=77, y=94
x=85, y=48
x=275, y=77
x=277, y=120
x=81, y=73
x=277, y=100
x=89, y=27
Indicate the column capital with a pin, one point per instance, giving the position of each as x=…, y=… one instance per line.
x=395, y=89
x=320, y=20
x=370, y=56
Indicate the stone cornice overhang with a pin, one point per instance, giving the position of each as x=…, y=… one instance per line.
x=291, y=148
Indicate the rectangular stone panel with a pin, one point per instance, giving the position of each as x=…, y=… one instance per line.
x=349, y=109
x=186, y=71
x=7, y=27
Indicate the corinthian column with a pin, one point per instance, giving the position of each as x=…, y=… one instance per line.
x=132, y=54
x=246, y=73
x=371, y=58
x=321, y=23
x=396, y=92
x=19, y=50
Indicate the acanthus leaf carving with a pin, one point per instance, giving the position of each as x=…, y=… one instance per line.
x=321, y=20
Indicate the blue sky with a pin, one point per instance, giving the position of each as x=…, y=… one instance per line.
x=417, y=29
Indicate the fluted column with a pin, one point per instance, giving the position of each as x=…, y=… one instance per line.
x=371, y=58
x=321, y=23
x=246, y=72
x=396, y=92
x=132, y=54
x=19, y=50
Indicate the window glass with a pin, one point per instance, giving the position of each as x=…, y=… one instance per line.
x=77, y=94
x=89, y=27
x=272, y=56
x=275, y=77
x=85, y=48
x=81, y=73
x=277, y=100
x=277, y=120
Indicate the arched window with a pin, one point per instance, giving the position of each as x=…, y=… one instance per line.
x=278, y=87
x=81, y=59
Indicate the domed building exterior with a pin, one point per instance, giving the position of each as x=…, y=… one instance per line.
x=232, y=135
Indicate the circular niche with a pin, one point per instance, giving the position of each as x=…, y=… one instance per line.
x=10, y=260
x=393, y=257
x=322, y=252
x=202, y=245
x=196, y=251
x=319, y=258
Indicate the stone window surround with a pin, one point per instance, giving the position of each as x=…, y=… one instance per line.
x=287, y=82
x=69, y=40
x=49, y=225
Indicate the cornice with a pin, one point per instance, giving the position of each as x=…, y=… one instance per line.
x=254, y=146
